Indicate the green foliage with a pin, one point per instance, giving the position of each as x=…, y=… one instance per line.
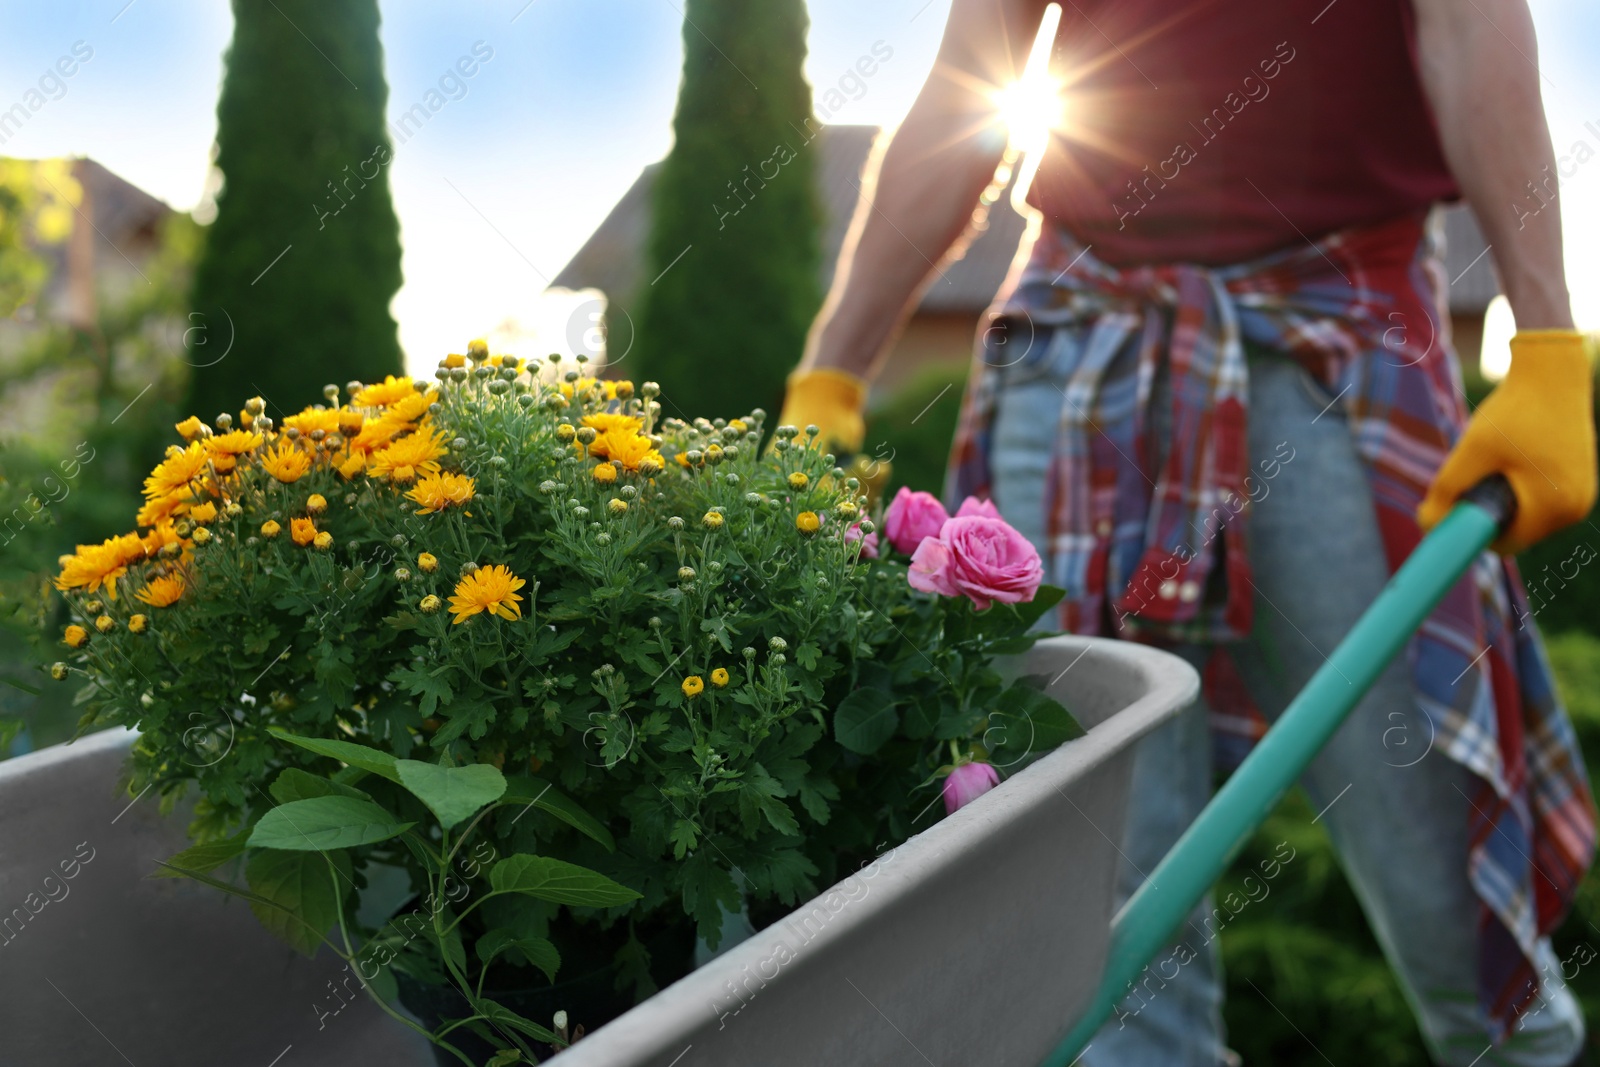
x=304, y=154
x=734, y=251
x=624, y=720
x=80, y=408
x=913, y=429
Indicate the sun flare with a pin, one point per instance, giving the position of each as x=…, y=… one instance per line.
x=1032, y=106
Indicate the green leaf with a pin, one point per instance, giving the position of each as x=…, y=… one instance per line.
x=865, y=720
x=368, y=759
x=426, y=684
x=1044, y=598
x=558, y=882
x=922, y=715
x=526, y=789
x=295, y=784
x=451, y=793
x=204, y=858
x=501, y=1015
x=538, y=951
x=298, y=885
x=1026, y=722
x=322, y=823
x=708, y=889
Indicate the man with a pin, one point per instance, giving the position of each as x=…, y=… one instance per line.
x=1220, y=399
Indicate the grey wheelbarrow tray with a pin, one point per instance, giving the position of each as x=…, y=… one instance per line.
x=973, y=942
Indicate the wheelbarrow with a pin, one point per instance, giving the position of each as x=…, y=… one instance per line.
x=1149, y=919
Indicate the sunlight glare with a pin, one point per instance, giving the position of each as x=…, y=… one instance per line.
x=1032, y=106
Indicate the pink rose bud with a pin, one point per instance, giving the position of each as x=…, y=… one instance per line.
x=982, y=559
x=869, y=542
x=967, y=783
x=972, y=507
x=911, y=517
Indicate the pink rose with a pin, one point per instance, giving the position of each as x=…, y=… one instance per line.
x=982, y=559
x=911, y=517
x=972, y=507
x=967, y=783
x=869, y=542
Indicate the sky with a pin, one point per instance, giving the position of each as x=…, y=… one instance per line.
x=499, y=189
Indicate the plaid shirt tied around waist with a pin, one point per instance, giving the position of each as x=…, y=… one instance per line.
x=1156, y=548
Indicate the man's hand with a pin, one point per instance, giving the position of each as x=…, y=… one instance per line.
x=1537, y=429
x=832, y=400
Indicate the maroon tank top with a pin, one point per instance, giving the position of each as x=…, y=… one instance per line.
x=1215, y=131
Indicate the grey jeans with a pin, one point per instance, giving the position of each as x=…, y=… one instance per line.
x=1396, y=811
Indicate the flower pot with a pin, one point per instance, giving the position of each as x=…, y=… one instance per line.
x=973, y=942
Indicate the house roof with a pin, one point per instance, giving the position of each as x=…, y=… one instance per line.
x=613, y=258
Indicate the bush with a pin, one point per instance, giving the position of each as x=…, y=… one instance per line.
x=666, y=682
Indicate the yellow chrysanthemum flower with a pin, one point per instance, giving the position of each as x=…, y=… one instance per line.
x=491, y=589
x=302, y=531
x=286, y=463
x=693, y=686
x=406, y=412
x=75, y=636
x=798, y=480
x=632, y=450
x=163, y=592
x=455, y=359
x=137, y=624
x=225, y=449
x=176, y=471
x=316, y=503
x=385, y=393
x=270, y=528
x=808, y=522
x=719, y=678
x=203, y=513
x=312, y=419
x=105, y=624
x=606, y=423
x=405, y=459
x=323, y=541
x=435, y=492
x=427, y=563
x=159, y=537
x=102, y=564
x=189, y=428
x=160, y=510
x=605, y=473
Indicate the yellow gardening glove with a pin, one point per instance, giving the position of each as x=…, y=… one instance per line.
x=1537, y=429
x=832, y=400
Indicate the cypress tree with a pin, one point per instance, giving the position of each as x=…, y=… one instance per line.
x=734, y=251
x=304, y=256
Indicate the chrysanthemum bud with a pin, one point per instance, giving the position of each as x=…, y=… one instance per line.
x=316, y=503
x=58, y=671
x=650, y=389
x=430, y=604
x=105, y=624
x=270, y=528
x=798, y=480
x=427, y=563
x=138, y=624
x=201, y=535
x=617, y=506
x=712, y=520
x=778, y=644
x=675, y=524
x=402, y=574
x=224, y=422
x=586, y=435
x=605, y=473
x=323, y=541
x=566, y=432
x=685, y=574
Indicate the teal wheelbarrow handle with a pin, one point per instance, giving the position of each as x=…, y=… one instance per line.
x=1159, y=907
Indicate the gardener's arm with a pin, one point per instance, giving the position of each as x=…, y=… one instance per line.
x=912, y=210
x=1479, y=71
